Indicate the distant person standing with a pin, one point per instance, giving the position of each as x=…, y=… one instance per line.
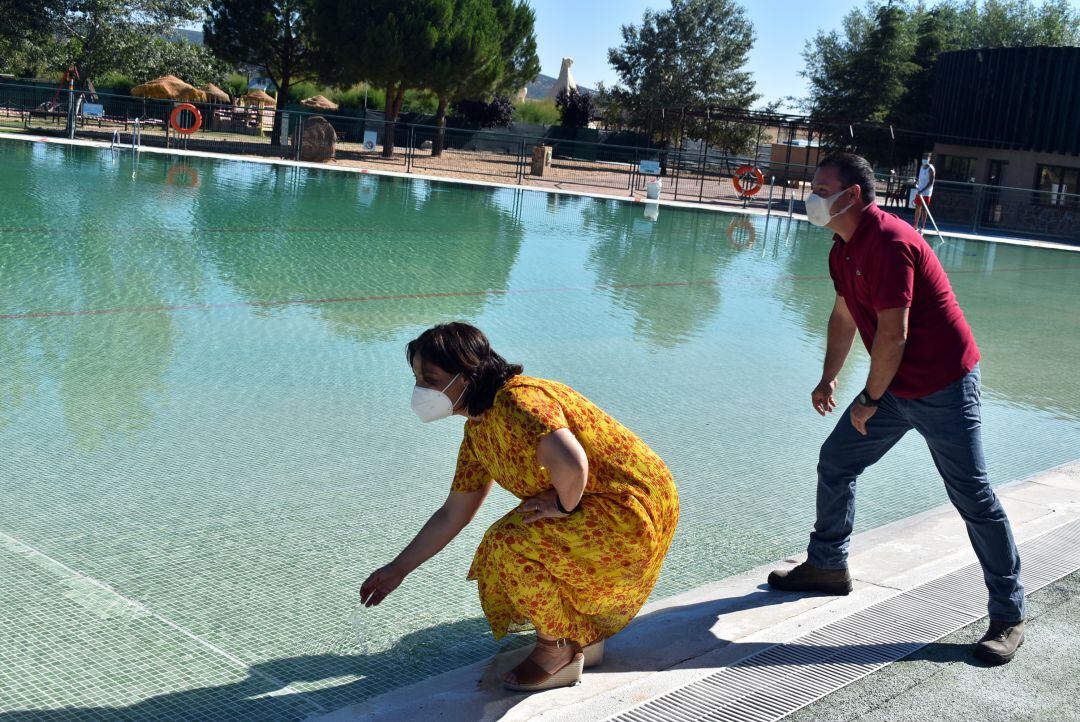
x=924, y=375
x=924, y=189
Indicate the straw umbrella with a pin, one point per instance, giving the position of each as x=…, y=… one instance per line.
x=216, y=94
x=169, y=87
x=258, y=97
x=319, y=102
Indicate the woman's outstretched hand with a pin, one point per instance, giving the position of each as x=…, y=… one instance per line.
x=541, y=506
x=381, y=582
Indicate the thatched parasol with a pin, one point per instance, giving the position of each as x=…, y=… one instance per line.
x=169, y=87
x=258, y=97
x=216, y=94
x=319, y=102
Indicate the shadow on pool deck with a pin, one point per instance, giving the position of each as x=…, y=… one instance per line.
x=252, y=698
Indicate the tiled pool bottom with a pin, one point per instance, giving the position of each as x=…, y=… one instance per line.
x=205, y=411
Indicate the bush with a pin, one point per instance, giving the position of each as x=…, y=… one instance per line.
x=115, y=83
x=537, y=112
x=420, y=101
x=482, y=114
x=576, y=109
x=353, y=97
x=235, y=84
x=299, y=91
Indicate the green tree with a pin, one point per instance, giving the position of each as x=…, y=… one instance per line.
x=464, y=56
x=867, y=75
x=386, y=42
x=488, y=50
x=694, y=54
x=103, y=35
x=273, y=35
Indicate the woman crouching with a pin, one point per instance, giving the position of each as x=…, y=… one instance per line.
x=577, y=558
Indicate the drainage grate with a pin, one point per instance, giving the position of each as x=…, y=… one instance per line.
x=780, y=679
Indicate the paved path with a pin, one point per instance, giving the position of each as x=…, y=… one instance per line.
x=679, y=640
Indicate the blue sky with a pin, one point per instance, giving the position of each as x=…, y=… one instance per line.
x=585, y=29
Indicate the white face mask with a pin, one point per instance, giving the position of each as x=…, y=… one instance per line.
x=818, y=209
x=432, y=405
x=925, y=162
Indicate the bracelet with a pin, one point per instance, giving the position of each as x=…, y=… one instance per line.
x=562, y=509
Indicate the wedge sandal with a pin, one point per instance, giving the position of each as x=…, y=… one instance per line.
x=594, y=654
x=531, y=677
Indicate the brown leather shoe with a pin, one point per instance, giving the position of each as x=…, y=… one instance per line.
x=1000, y=642
x=808, y=578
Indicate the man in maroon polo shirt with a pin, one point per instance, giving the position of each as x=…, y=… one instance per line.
x=924, y=375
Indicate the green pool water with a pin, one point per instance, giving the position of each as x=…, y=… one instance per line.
x=205, y=434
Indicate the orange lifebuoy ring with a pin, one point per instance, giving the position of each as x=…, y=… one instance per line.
x=755, y=178
x=176, y=114
x=182, y=175
x=747, y=234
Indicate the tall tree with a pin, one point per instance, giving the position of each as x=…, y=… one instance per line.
x=464, y=56
x=694, y=54
x=488, y=50
x=386, y=42
x=273, y=35
x=96, y=35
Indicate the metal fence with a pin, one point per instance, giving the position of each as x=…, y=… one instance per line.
x=699, y=175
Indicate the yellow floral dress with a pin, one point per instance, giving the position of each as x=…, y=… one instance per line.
x=585, y=576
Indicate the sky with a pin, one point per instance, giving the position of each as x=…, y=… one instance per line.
x=585, y=29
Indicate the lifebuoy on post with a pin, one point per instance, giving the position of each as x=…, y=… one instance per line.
x=183, y=176
x=748, y=180
x=175, y=115
x=741, y=233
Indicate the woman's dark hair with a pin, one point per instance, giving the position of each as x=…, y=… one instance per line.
x=459, y=348
x=852, y=170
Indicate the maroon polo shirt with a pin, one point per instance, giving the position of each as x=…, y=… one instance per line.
x=887, y=264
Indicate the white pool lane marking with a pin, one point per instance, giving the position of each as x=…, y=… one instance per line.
x=103, y=600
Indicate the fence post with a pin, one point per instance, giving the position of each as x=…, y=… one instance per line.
x=409, y=149
x=978, y=209
x=71, y=115
x=298, y=134
x=521, y=162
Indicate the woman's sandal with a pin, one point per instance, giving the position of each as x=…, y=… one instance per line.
x=531, y=677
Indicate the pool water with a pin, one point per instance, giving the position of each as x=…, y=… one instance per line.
x=205, y=434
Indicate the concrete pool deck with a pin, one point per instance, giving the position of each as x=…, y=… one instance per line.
x=682, y=639
x=555, y=188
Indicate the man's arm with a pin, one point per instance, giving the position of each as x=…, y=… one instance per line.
x=840, y=337
x=887, y=350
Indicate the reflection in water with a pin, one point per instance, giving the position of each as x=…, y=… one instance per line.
x=93, y=252
x=406, y=244
x=681, y=249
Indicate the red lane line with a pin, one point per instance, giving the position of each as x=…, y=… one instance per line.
x=452, y=294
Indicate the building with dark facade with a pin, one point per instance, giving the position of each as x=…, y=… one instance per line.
x=1009, y=118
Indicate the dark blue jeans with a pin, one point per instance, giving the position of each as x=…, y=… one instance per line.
x=951, y=422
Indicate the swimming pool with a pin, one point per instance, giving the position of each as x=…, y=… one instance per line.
x=205, y=425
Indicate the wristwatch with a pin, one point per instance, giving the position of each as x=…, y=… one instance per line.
x=863, y=399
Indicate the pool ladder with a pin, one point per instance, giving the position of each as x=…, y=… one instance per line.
x=136, y=138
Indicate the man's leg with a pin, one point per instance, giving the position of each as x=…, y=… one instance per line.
x=951, y=422
x=845, y=455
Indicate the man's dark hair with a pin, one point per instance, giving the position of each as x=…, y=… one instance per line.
x=852, y=170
